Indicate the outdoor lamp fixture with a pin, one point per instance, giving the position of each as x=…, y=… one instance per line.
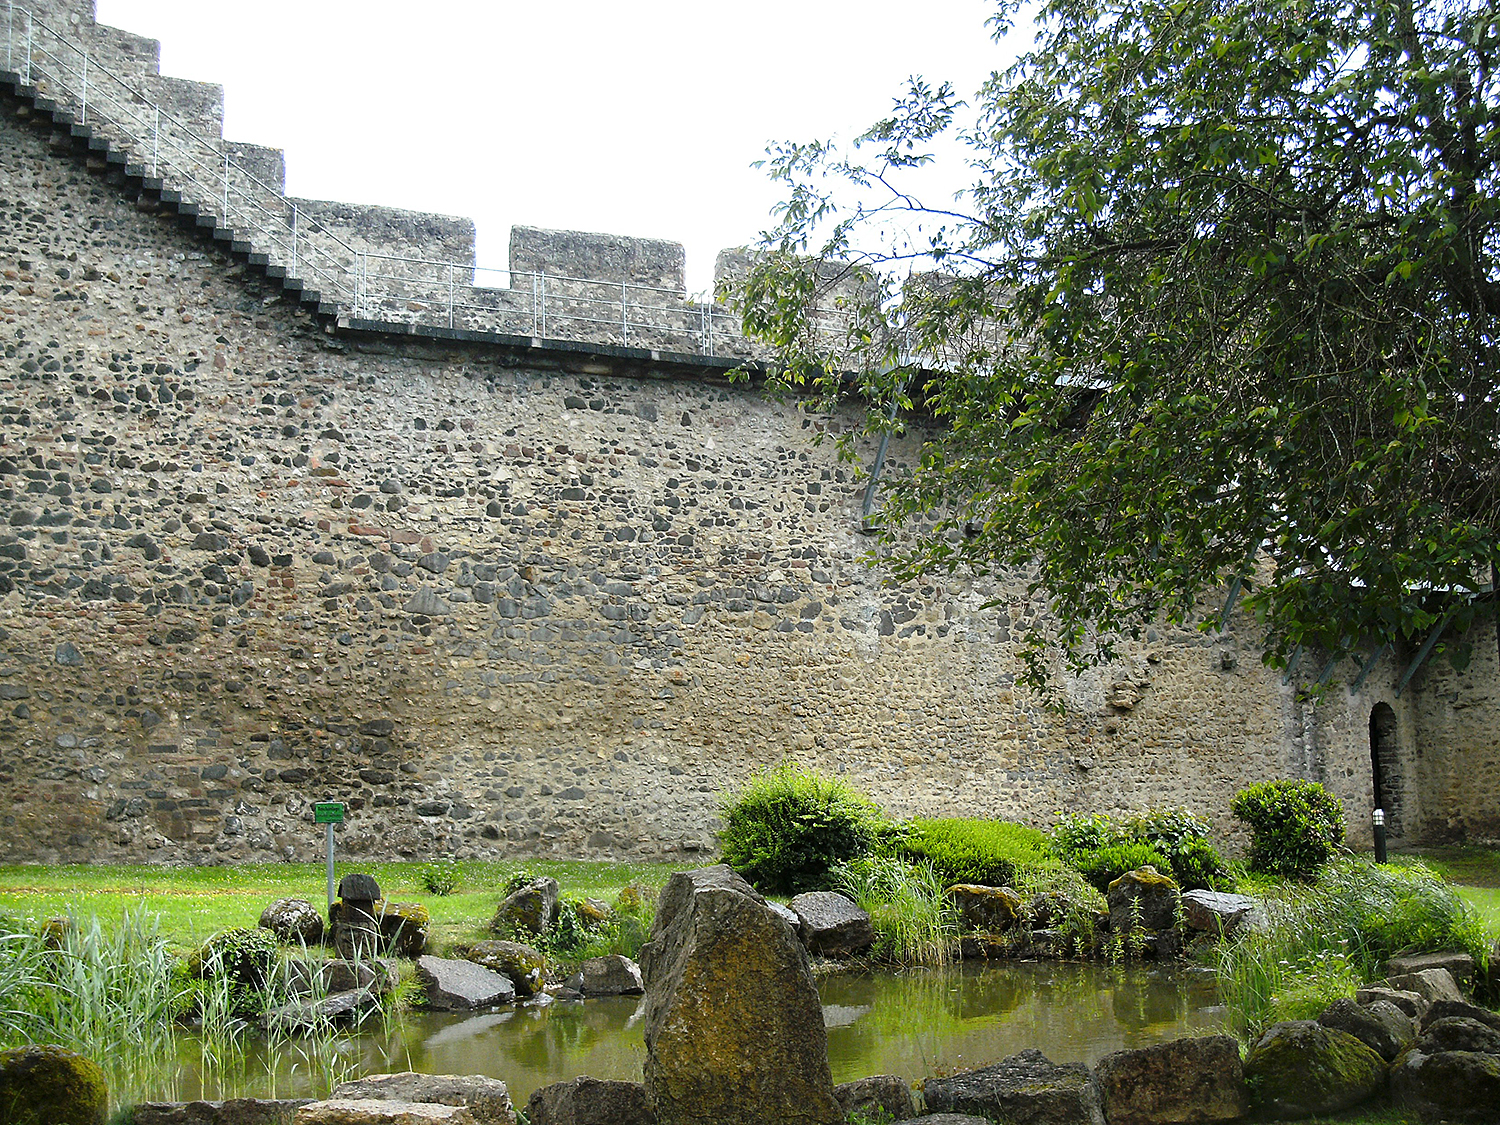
x=1379, y=818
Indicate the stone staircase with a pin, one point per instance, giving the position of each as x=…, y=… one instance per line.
x=359, y=266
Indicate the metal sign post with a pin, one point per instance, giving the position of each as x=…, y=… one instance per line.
x=329, y=813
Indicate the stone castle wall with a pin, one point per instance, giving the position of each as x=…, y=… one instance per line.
x=510, y=601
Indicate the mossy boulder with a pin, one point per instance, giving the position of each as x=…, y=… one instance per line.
x=1144, y=900
x=990, y=910
x=734, y=1027
x=404, y=927
x=525, y=966
x=1303, y=1069
x=529, y=909
x=50, y=1085
x=294, y=921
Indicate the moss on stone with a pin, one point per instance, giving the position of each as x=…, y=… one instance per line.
x=51, y=1085
x=1300, y=1068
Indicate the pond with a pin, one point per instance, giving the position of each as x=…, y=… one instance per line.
x=913, y=1023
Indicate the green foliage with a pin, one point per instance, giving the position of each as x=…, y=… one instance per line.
x=991, y=853
x=1326, y=939
x=1295, y=825
x=790, y=827
x=915, y=922
x=1223, y=293
x=1103, y=866
x=441, y=878
x=1098, y=844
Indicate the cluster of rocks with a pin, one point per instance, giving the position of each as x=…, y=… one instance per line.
x=1148, y=917
x=1413, y=1035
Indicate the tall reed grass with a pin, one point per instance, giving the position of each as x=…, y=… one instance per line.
x=119, y=996
x=1324, y=941
x=915, y=923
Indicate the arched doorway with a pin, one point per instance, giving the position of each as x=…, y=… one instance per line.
x=1385, y=767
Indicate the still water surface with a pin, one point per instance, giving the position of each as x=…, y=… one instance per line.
x=914, y=1023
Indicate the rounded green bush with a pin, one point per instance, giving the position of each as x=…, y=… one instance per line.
x=791, y=826
x=1295, y=826
x=1103, y=866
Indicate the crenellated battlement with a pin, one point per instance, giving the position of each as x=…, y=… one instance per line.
x=363, y=265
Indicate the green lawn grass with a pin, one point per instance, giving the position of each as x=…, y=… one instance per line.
x=196, y=902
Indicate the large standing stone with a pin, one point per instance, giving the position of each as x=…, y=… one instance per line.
x=487, y=1099
x=454, y=986
x=832, y=926
x=1198, y=1080
x=1302, y=1069
x=1024, y=1089
x=531, y=909
x=734, y=1027
x=590, y=1101
x=48, y=1085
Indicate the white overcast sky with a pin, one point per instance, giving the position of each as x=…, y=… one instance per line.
x=638, y=118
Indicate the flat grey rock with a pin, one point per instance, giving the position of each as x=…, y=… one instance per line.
x=456, y=986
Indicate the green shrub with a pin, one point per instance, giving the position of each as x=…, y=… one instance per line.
x=1176, y=835
x=915, y=922
x=441, y=878
x=790, y=827
x=1295, y=826
x=992, y=853
x=1103, y=866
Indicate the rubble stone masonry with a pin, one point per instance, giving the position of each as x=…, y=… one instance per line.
x=510, y=602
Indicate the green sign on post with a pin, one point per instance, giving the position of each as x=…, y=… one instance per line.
x=329, y=813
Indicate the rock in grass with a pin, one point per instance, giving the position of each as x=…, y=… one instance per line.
x=294, y=921
x=734, y=1027
x=590, y=1101
x=488, y=1099
x=1145, y=900
x=1302, y=1069
x=49, y=1085
x=1025, y=1087
x=1451, y=1073
x=1198, y=1080
x=530, y=909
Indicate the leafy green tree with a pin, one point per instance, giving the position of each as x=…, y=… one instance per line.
x=1219, y=308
